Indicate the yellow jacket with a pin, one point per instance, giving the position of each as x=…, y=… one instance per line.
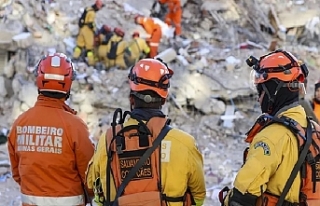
x=90, y=16
x=137, y=46
x=119, y=59
x=270, y=164
x=181, y=169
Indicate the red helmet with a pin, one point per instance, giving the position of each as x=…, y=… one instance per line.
x=118, y=31
x=150, y=74
x=106, y=28
x=136, y=34
x=55, y=73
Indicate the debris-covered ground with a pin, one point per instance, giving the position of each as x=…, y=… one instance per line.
x=211, y=96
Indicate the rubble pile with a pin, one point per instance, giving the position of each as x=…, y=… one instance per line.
x=210, y=96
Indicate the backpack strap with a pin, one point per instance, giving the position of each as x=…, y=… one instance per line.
x=141, y=161
x=303, y=154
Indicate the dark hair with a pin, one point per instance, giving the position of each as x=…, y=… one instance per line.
x=55, y=95
x=139, y=103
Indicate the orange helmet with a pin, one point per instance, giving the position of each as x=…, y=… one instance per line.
x=118, y=31
x=55, y=73
x=99, y=4
x=280, y=65
x=150, y=74
x=136, y=34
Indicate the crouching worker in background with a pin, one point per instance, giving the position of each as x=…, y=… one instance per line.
x=49, y=145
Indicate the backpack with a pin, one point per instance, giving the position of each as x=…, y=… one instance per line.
x=134, y=162
x=82, y=19
x=309, y=157
x=112, y=54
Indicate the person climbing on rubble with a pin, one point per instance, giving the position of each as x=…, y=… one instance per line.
x=168, y=174
x=49, y=146
x=137, y=49
x=270, y=175
x=86, y=36
x=115, y=50
x=173, y=16
x=306, y=104
x=154, y=30
x=316, y=100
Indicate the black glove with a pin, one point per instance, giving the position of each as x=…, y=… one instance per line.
x=91, y=25
x=238, y=199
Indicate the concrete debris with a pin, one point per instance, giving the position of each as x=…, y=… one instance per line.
x=211, y=96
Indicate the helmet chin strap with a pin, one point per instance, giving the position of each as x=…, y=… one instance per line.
x=271, y=98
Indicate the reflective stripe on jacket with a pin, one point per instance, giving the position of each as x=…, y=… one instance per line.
x=47, y=201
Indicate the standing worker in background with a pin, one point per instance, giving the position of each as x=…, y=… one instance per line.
x=173, y=15
x=87, y=29
x=49, y=156
x=166, y=179
x=137, y=49
x=154, y=30
x=306, y=104
x=316, y=100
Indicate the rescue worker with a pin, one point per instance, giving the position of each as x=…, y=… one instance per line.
x=306, y=104
x=184, y=168
x=105, y=34
x=86, y=37
x=136, y=50
x=154, y=30
x=174, y=14
x=316, y=100
x=115, y=50
x=274, y=150
x=49, y=146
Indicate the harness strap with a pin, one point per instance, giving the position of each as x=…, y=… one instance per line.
x=141, y=161
x=301, y=160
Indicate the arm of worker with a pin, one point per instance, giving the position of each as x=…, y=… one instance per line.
x=97, y=169
x=262, y=162
x=196, y=182
x=93, y=170
x=145, y=48
x=90, y=19
x=84, y=150
x=14, y=159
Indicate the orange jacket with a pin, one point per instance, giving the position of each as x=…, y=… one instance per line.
x=49, y=150
x=172, y=4
x=149, y=25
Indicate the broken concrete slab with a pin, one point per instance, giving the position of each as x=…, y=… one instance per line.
x=23, y=40
x=229, y=116
x=167, y=55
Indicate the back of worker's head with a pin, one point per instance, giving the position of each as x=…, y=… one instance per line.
x=149, y=81
x=135, y=34
x=54, y=75
x=97, y=5
x=118, y=31
x=278, y=77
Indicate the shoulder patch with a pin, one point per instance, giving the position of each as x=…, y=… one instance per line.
x=165, y=150
x=265, y=147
